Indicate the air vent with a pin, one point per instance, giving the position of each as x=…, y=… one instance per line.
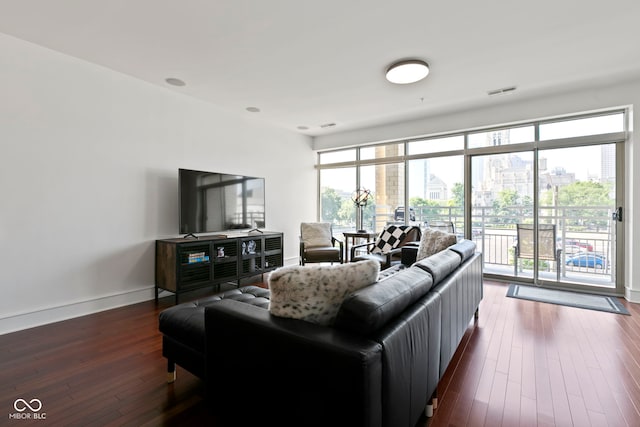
x=501, y=91
x=327, y=125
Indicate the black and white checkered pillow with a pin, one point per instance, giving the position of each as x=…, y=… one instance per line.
x=390, y=238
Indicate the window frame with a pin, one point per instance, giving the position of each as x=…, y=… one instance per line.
x=469, y=152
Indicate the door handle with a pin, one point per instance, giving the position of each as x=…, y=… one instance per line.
x=617, y=215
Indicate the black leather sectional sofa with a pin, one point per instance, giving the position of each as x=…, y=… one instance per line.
x=379, y=364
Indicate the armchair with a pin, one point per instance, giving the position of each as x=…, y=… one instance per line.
x=387, y=249
x=317, y=243
x=546, y=244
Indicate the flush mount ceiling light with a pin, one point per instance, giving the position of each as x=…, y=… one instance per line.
x=408, y=71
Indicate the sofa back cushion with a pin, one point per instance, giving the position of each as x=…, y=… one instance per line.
x=465, y=248
x=439, y=265
x=368, y=309
x=315, y=293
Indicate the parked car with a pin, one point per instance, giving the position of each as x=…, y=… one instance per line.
x=572, y=250
x=585, y=246
x=587, y=259
x=398, y=215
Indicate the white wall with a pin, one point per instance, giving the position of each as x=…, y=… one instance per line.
x=512, y=108
x=88, y=180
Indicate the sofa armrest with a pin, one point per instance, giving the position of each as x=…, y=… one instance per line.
x=299, y=370
x=393, y=254
x=341, y=245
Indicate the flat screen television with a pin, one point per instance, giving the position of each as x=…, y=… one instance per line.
x=212, y=202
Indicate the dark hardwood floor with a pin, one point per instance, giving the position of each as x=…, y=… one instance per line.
x=523, y=363
x=535, y=364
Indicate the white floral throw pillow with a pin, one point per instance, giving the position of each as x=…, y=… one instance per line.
x=315, y=292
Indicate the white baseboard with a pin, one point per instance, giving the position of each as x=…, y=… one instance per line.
x=21, y=321
x=18, y=322
x=632, y=295
x=292, y=261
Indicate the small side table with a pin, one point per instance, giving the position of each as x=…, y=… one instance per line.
x=353, y=235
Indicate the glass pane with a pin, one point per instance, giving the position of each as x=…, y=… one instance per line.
x=508, y=136
x=502, y=197
x=578, y=198
x=436, y=145
x=436, y=192
x=336, y=206
x=386, y=183
x=382, y=151
x=581, y=127
x=338, y=156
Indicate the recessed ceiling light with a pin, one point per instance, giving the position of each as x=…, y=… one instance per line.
x=174, y=82
x=408, y=71
x=253, y=109
x=303, y=127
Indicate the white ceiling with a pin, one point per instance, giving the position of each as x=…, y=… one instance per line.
x=308, y=63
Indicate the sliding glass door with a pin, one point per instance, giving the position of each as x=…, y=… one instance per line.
x=577, y=195
x=502, y=198
x=549, y=215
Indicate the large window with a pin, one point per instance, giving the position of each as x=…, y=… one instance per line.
x=496, y=137
x=336, y=206
x=571, y=128
x=386, y=183
x=341, y=156
x=436, y=190
x=436, y=145
x=562, y=172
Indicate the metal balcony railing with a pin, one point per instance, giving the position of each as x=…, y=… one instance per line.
x=587, y=232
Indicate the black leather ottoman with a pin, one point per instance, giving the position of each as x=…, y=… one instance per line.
x=182, y=328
